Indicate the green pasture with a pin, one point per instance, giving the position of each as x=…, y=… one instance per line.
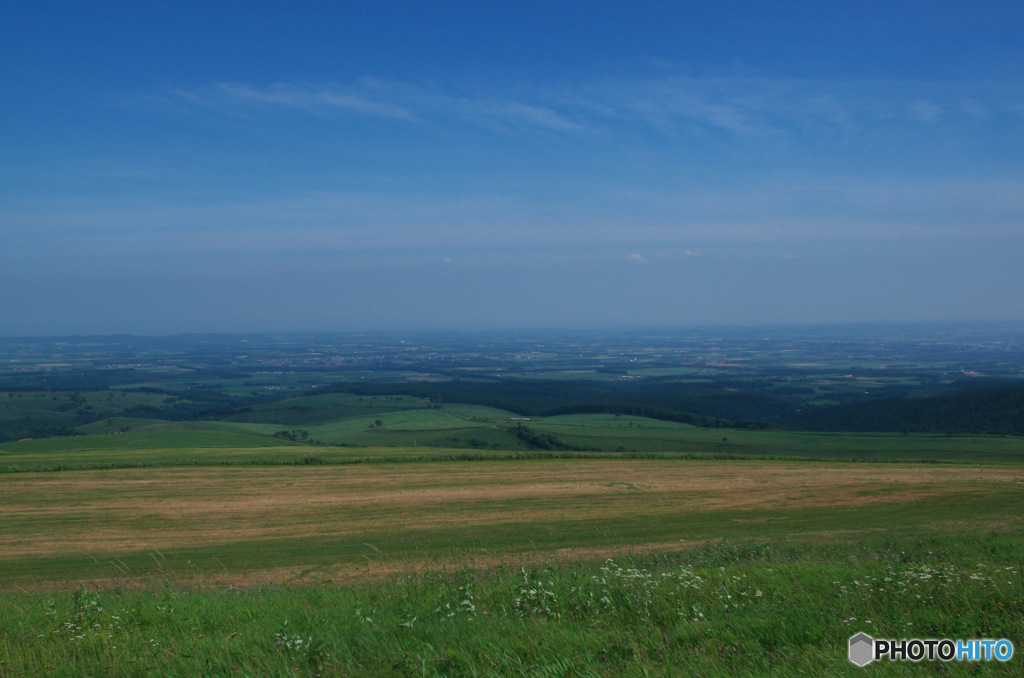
x=449, y=428
x=610, y=432
x=323, y=408
x=396, y=427
x=353, y=420
x=110, y=425
x=175, y=437
x=273, y=452
x=681, y=371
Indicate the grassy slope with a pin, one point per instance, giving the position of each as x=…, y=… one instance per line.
x=722, y=609
x=444, y=431
x=171, y=437
x=318, y=409
x=820, y=564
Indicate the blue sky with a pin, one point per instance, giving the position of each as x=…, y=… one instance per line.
x=363, y=165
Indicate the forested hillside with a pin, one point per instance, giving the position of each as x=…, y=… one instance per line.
x=989, y=411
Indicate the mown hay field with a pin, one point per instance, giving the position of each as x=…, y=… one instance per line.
x=309, y=524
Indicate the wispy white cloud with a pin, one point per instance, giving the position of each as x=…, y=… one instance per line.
x=610, y=207
x=311, y=99
x=375, y=98
x=764, y=106
x=923, y=110
x=505, y=113
x=974, y=108
x=671, y=102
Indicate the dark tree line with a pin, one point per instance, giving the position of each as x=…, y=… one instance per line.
x=998, y=412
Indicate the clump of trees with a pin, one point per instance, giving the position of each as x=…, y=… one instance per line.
x=543, y=441
x=295, y=435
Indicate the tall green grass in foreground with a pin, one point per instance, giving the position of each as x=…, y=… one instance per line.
x=720, y=609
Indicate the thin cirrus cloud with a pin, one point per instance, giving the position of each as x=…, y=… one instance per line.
x=310, y=100
x=791, y=122
x=376, y=99
x=764, y=106
x=743, y=106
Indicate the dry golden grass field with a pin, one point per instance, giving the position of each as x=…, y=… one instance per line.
x=118, y=527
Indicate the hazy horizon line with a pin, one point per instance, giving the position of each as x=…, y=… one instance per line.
x=615, y=329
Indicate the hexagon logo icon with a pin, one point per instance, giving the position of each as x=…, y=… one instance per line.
x=862, y=649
